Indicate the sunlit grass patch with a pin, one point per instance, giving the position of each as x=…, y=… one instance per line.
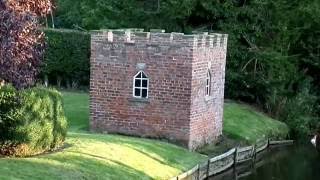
x=101, y=156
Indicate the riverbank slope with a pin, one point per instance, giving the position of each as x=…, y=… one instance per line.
x=245, y=125
x=98, y=156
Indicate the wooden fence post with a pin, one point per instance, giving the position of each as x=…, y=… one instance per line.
x=235, y=156
x=198, y=172
x=208, y=168
x=254, y=152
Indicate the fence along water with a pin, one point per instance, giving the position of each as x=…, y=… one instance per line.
x=225, y=161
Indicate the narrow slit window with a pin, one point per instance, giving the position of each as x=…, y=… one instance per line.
x=208, y=84
x=140, y=85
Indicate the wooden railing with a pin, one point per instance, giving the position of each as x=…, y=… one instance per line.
x=225, y=161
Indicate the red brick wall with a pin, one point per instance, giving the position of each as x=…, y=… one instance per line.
x=207, y=111
x=170, y=112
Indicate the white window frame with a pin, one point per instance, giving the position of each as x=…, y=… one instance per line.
x=208, y=83
x=141, y=88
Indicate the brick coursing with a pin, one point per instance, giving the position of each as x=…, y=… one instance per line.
x=176, y=65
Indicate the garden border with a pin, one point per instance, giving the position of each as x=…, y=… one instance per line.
x=227, y=160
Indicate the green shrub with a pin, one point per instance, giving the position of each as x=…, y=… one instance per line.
x=67, y=58
x=38, y=123
x=300, y=112
x=9, y=105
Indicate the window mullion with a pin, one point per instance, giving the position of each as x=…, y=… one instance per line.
x=141, y=86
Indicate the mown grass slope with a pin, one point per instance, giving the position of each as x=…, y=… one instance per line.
x=242, y=122
x=76, y=107
x=244, y=125
x=98, y=156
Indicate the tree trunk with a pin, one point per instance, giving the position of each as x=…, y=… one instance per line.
x=52, y=20
x=68, y=84
x=318, y=142
x=2, y=83
x=46, y=21
x=59, y=79
x=46, y=81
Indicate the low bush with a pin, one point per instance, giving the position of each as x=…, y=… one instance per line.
x=300, y=112
x=9, y=105
x=31, y=121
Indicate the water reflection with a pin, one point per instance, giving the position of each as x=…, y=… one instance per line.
x=295, y=162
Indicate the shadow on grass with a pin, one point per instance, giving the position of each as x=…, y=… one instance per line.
x=224, y=144
x=67, y=166
x=162, y=152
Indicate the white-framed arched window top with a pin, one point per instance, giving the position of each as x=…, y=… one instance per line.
x=208, y=83
x=140, y=85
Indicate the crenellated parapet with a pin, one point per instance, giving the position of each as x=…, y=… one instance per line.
x=159, y=37
x=157, y=84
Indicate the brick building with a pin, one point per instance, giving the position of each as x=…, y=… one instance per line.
x=156, y=84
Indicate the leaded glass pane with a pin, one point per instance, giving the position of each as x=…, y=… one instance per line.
x=137, y=83
x=145, y=83
x=143, y=75
x=137, y=92
x=144, y=93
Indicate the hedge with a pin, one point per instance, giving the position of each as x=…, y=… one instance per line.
x=32, y=122
x=67, y=58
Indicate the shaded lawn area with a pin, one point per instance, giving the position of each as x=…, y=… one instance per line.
x=76, y=106
x=243, y=125
x=242, y=122
x=97, y=156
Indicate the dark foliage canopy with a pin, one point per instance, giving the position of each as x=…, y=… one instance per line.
x=67, y=56
x=21, y=43
x=273, y=50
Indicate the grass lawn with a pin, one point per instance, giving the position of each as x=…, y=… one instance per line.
x=76, y=106
x=243, y=125
x=96, y=156
x=242, y=122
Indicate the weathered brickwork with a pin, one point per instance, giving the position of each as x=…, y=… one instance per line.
x=176, y=64
x=207, y=111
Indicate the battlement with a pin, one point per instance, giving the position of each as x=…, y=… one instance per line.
x=158, y=36
x=182, y=76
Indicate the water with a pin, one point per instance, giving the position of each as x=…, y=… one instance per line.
x=295, y=162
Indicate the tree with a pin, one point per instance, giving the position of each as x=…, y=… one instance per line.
x=273, y=47
x=21, y=41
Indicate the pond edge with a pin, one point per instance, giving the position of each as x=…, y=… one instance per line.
x=234, y=156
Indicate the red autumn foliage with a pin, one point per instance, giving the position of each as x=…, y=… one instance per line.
x=21, y=41
x=36, y=7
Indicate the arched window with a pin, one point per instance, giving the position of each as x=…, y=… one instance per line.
x=208, y=84
x=140, y=85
